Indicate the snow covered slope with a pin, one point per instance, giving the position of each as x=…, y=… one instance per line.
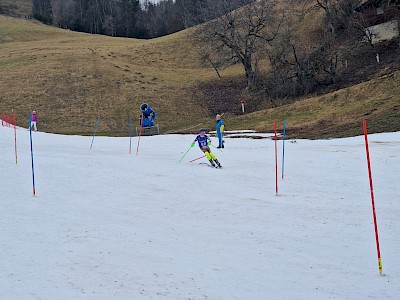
x=109, y=225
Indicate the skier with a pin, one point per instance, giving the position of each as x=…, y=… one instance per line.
x=204, y=142
x=220, y=126
x=148, y=115
x=34, y=120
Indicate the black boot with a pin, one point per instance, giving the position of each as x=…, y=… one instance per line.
x=218, y=164
x=212, y=163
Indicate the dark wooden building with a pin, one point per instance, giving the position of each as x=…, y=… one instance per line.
x=376, y=12
x=381, y=19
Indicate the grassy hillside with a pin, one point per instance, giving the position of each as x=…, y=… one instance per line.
x=336, y=114
x=69, y=78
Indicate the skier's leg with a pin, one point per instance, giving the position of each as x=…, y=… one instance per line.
x=217, y=162
x=212, y=155
x=215, y=159
x=209, y=157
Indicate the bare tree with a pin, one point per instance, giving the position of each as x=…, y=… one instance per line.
x=63, y=11
x=236, y=35
x=345, y=20
x=304, y=61
x=292, y=71
x=42, y=11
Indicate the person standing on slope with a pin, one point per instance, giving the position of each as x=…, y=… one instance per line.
x=204, y=142
x=34, y=120
x=220, y=126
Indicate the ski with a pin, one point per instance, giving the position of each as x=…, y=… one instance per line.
x=211, y=166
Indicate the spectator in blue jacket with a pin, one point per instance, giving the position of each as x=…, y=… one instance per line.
x=220, y=130
x=148, y=115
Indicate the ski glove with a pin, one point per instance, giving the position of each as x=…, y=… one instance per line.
x=209, y=143
x=192, y=145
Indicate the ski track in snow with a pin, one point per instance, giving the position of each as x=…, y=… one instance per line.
x=109, y=225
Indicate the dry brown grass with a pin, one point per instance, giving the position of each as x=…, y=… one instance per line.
x=69, y=78
x=336, y=114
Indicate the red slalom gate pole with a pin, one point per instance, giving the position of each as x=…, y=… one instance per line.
x=15, y=138
x=372, y=197
x=276, y=159
x=140, y=134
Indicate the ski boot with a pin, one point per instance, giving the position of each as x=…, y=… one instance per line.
x=218, y=164
x=212, y=162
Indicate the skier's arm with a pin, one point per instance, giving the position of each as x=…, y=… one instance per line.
x=192, y=144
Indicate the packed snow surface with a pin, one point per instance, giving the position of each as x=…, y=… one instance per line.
x=106, y=224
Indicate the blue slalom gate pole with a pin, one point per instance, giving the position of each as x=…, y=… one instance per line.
x=130, y=134
x=95, y=130
x=33, y=169
x=283, y=147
